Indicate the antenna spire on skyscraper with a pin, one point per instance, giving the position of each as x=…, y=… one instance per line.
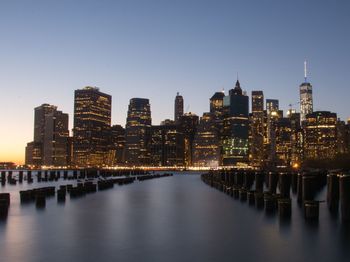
x=305, y=71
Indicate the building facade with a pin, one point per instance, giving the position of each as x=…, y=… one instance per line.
x=235, y=128
x=178, y=107
x=320, y=135
x=51, y=138
x=257, y=129
x=167, y=145
x=116, y=146
x=138, y=133
x=92, y=123
x=187, y=125
x=206, y=146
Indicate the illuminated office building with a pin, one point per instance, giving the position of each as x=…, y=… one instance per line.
x=92, y=123
x=116, y=146
x=306, y=102
x=178, y=107
x=272, y=115
x=235, y=127
x=342, y=137
x=50, y=145
x=296, y=139
x=206, y=150
x=257, y=101
x=320, y=135
x=272, y=105
x=138, y=133
x=283, y=142
x=187, y=125
x=217, y=104
x=167, y=145
x=218, y=111
x=257, y=129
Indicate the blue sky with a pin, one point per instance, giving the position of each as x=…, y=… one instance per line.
x=153, y=49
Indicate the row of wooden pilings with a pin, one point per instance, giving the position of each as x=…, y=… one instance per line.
x=249, y=186
x=55, y=175
x=39, y=195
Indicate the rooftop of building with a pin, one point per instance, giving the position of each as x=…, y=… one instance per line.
x=218, y=96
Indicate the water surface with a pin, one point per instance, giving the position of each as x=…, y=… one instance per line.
x=175, y=218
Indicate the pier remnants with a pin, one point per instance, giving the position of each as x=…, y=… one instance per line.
x=271, y=191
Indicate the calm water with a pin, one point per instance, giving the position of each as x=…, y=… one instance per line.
x=176, y=218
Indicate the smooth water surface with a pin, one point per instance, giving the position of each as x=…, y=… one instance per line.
x=175, y=218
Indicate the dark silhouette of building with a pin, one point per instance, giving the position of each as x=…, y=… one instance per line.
x=206, y=146
x=92, y=123
x=40, y=114
x=138, y=133
x=167, y=145
x=217, y=104
x=187, y=125
x=179, y=107
x=50, y=145
x=34, y=154
x=236, y=127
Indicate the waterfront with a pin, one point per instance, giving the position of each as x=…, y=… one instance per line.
x=175, y=218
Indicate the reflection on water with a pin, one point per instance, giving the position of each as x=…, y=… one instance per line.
x=176, y=218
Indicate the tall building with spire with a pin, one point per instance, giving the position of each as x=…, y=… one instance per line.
x=235, y=127
x=179, y=107
x=306, y=103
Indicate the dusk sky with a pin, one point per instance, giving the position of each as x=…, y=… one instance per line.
x=153, y=49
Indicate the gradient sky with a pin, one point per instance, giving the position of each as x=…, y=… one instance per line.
x=153, y=49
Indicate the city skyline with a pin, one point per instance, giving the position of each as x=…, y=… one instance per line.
x=195, y=57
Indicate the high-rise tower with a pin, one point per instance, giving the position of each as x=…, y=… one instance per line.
x=306, y=103
x=235, y=127
x=257, y=101
x=138, y=132
x=179, y=107
x=50, y=145
x=257, y=129
x=92, y=123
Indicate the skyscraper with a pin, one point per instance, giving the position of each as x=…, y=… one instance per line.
x=92, y=123
x=179, y=107
x=116, y=145
x=167, y=145
x=272, y=106
x=306, y=103
x=257, y=129
x=257, y=101
x=283, y=142
x=273, y=114
x=55, y=150
x=187, y=125
x=236, y=127
x=50, y=145
x=206, y=146
x=217, y=104
x=320, y=135
x=40, y=114
x=138, y=131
